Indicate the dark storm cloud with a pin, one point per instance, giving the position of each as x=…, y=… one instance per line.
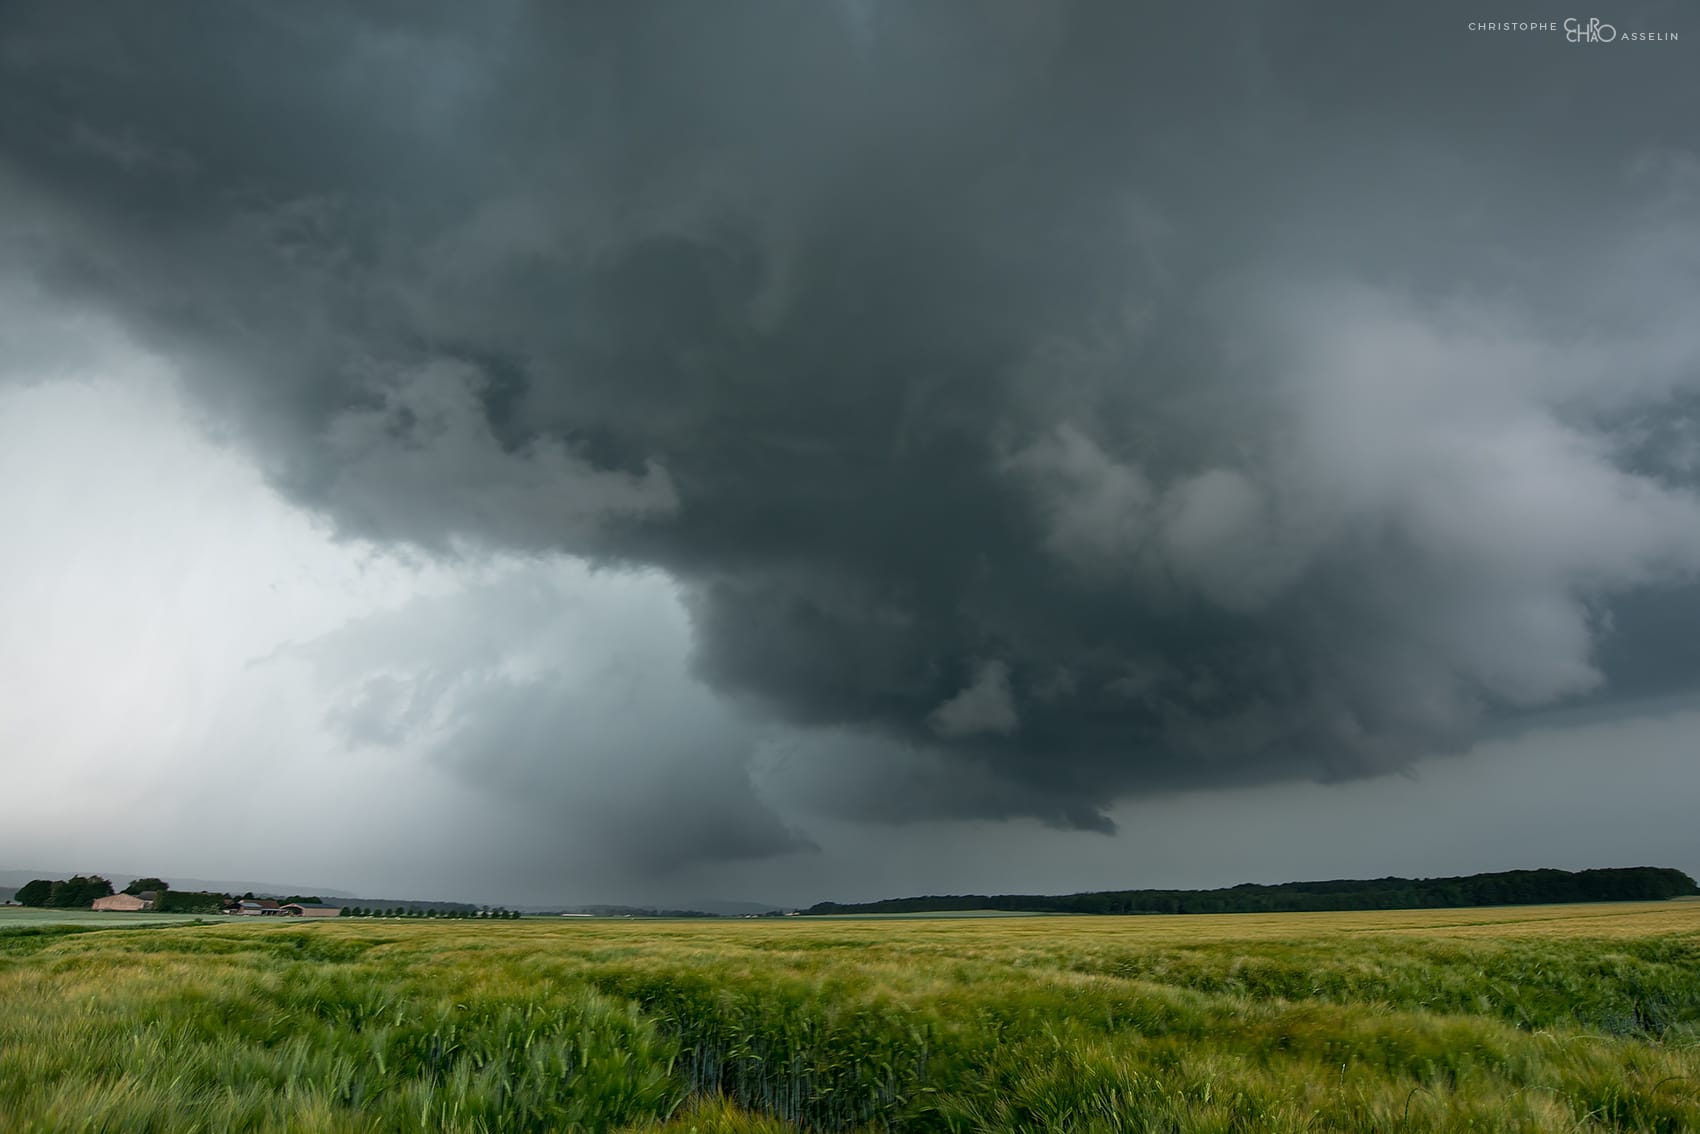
x=1078, y=399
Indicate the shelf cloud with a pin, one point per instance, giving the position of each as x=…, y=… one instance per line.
x=1033, y=406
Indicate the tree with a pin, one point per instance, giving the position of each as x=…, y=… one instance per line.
x=143, y=885
x=185, y=901
x=78, y=890
x=34, y=893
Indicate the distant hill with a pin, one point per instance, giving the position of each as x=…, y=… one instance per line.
x=724, y=908
x=1507, y=888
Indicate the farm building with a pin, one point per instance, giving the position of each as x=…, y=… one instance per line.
x=301, y=909
x=128, y=903
x=252, y=907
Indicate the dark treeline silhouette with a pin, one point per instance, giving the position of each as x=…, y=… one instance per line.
x=79, y=892
x=188, y=901
x=638, y=911
x=459, y=910
x=380, y=907
x=1507, y=888
x=63, y=893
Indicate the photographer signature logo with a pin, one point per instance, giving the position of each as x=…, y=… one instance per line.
x=1593, y=32
x=1590, y=30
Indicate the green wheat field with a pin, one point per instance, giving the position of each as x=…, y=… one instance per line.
x=1556, y=1018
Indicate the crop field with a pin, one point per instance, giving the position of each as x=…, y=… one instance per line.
x=1576, y=1018
x=18, y=917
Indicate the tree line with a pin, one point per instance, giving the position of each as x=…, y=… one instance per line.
x=63, y=893
x=1505, y=888
x=80, y=891
x=451, y=913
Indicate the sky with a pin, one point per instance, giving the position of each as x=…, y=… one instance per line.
x=758, y=451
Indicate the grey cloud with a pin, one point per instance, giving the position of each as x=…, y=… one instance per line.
x=838, y=774
x=983, y=706
x=426, y=462
x=1261, y=417
x=577, y=718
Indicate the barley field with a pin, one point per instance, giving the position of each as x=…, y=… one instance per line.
x=1573, y=1018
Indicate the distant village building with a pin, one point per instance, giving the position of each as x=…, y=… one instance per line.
x=128, y=903
x=301, y=909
